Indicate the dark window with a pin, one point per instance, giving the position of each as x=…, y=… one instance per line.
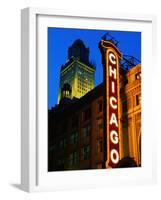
x=87, y=114
x=60, y=162
x=62, y=143
x=124, y=106
x=99, y=146
x=99, y=166
x=126, y=81
x=86, y=152
x=86, y=131
x=75, y=121
x=52, y=148
x=100, y=123
x=138, y=99
x=64, y=127
x=99, y=106
x=74, y=137
x=73, y=158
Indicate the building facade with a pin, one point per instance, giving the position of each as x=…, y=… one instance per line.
x=131, y=113
x=78, y=72
x=77, y=139
x=76, y=133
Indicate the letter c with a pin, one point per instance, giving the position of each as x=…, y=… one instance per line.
x=112, y=101
x=112, y=58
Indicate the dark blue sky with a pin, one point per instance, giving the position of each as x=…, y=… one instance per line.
x=59, y=40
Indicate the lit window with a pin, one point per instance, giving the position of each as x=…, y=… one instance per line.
x=79, y=72
x=138, y=76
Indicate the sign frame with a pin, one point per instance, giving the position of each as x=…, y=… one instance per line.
x=111, y=69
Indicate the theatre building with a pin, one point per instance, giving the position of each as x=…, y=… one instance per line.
x=77, y=138
x=131, y=114
x=76, y=129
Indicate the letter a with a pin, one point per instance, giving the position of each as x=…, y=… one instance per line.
x=113, y=120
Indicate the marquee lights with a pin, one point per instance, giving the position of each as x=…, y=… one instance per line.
x=111, y=57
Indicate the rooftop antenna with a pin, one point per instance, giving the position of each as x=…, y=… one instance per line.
x=110, y=38
x=128, y=62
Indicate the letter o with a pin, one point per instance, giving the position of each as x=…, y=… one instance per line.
x=114, y=156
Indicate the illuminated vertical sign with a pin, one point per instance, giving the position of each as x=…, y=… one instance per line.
x=111, y=57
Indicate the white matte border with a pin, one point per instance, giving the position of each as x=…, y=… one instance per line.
x=90, y=178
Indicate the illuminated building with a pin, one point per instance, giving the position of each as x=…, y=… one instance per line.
x=77, y=134
x=78, y=72
x=131, y=113
x=76, y=128
x=122, y=100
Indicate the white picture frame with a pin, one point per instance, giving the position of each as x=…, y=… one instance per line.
x=34, y=176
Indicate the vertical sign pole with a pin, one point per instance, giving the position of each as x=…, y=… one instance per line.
x=110, y=58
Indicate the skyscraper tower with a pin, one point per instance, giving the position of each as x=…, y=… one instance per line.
x=78, y=72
